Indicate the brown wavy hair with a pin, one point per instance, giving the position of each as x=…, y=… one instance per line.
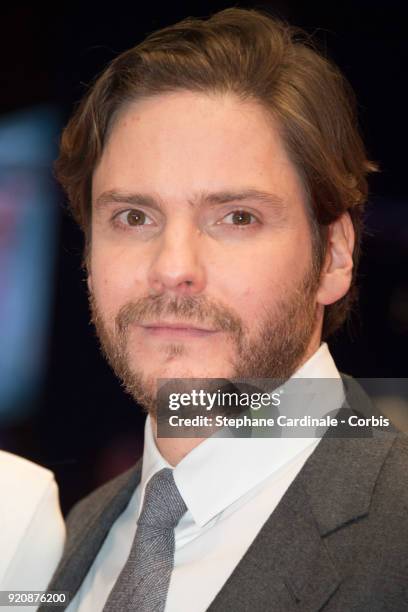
x=258, y=58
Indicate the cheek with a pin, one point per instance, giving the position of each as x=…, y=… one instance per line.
x=114, y=281
x=261, y=279
x=119, y=265
x=245, y=287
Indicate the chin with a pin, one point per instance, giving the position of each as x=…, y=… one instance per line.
x=188, y=370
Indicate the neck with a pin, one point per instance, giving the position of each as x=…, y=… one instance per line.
x=175, y=449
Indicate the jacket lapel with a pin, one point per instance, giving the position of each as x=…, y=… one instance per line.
x=290, y=565
x=87, y=539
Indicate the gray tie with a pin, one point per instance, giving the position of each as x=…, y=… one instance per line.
x=144, y=580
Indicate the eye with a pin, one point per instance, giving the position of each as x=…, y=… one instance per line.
x=240, y=218
x=132, y=218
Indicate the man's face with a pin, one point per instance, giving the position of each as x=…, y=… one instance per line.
x=201, y=254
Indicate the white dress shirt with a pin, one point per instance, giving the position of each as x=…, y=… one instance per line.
x=230, y=487
x=32, y=530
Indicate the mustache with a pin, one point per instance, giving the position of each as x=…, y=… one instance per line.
x=196, y=309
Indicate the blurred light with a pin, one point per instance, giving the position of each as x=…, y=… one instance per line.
x=28, y=218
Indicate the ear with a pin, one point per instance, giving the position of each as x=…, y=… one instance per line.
x=336, y=275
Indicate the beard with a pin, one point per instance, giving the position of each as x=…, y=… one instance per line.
x=273, y=349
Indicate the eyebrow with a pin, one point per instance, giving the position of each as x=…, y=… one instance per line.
x=271, y=200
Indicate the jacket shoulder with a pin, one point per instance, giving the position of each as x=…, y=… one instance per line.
x=393, y=478
x=86, y=509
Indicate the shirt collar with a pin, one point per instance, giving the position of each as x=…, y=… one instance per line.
x=153, y=460
x=220, y=470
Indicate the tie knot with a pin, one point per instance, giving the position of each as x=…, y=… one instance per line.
x=163, y=505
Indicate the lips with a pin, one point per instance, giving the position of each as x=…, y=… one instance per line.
x=177, y=329
x=176, y=326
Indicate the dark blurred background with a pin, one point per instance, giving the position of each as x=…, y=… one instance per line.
x=60, y=405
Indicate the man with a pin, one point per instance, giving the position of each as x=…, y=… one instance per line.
x=220, y=180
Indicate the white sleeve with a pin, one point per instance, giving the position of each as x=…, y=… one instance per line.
x=32, y=530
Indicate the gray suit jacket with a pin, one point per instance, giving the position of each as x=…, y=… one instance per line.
x=337, y=541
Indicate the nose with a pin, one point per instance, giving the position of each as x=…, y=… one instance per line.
x=177, y=265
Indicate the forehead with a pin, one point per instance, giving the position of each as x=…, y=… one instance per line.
x=181, y=143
